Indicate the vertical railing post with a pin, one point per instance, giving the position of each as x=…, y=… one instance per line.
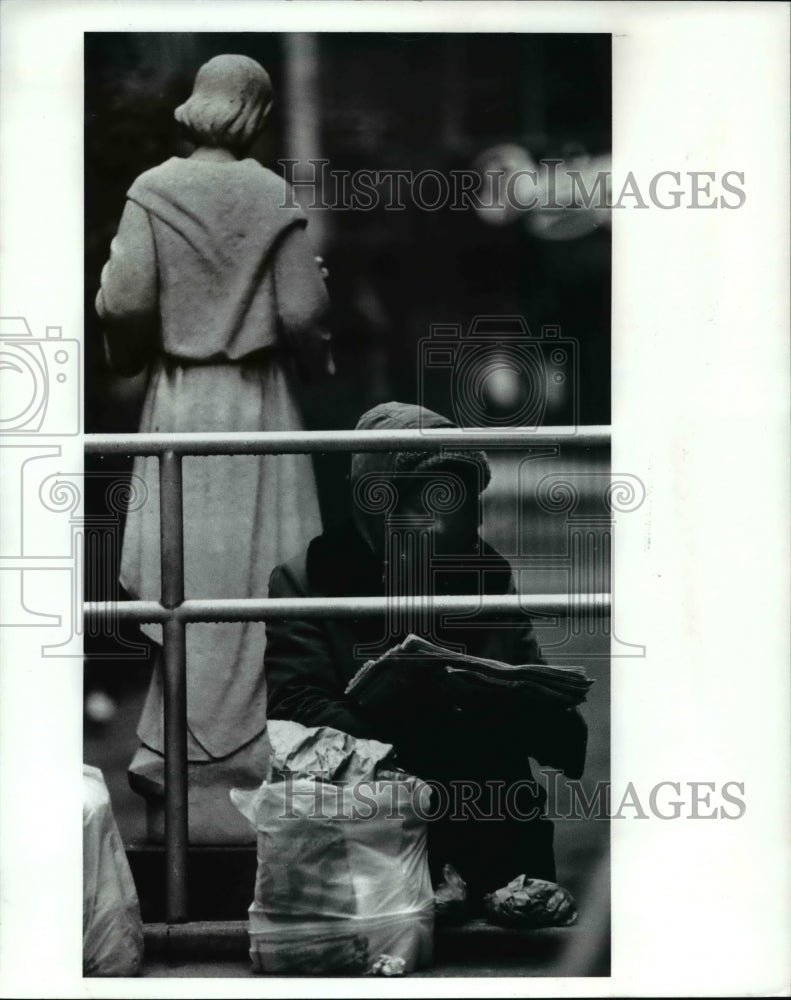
x=171, y=526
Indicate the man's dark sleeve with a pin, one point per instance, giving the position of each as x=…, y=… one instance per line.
x=559, y=737
x=304, y=684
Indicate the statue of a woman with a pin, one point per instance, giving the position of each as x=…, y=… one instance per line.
x=211, y=281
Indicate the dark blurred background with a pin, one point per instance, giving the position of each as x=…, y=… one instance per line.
x=376, y=102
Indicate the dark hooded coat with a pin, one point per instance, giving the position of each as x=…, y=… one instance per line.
x=310, y=662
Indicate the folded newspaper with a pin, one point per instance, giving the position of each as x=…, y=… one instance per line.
x=416, y=662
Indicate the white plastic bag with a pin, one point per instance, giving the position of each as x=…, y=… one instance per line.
x=112, y=931
x=342, y=874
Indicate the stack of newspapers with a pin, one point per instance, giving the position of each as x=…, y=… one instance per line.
x=417, y=663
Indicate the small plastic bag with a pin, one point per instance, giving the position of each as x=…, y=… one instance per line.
x=112, y=931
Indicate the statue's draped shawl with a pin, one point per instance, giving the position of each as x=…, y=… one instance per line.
x=216, y=228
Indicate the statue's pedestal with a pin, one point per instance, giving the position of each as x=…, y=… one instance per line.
x=213, y=819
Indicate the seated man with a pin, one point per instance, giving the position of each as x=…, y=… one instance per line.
x=396, y=544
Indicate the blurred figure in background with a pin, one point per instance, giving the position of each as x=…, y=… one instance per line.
x=211, y=281
x=565, y=202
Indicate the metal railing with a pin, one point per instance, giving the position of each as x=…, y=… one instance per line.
x=173, y=611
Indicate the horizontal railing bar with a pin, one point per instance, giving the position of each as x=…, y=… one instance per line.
x=303, y=442
x=260, y=609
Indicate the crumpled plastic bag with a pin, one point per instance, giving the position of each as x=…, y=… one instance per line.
x=339, y=756
x=112, y=931
x=386, y=965
x=450, y=897
x=531, y=902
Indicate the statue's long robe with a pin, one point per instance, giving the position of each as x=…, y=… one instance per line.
x=216, y=255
